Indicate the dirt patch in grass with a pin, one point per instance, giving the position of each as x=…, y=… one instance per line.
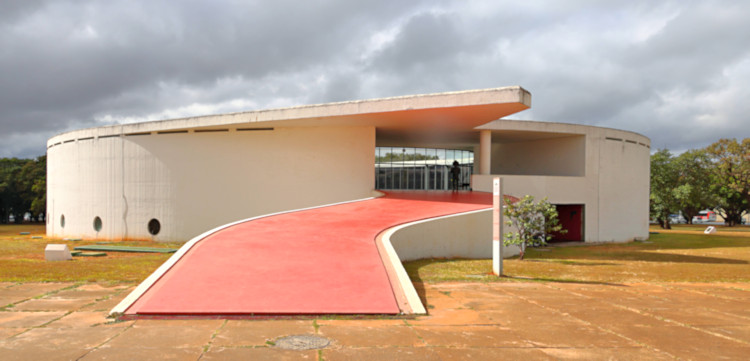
x=22, y=259
x=666, y=257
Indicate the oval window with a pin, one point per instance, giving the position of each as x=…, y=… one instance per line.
x=97, y=224
x=154, y=226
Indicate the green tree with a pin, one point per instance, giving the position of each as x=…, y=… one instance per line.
x=663, y=199
x=34, y=178
x=22, y=187
x=400, y=157
x=731, y=178
x=39, y=203
x=10, y=195
x=693, y=193
x=533, y=222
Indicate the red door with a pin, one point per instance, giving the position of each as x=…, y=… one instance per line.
x=571, y=219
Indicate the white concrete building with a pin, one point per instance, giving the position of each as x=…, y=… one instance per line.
x=172, y=180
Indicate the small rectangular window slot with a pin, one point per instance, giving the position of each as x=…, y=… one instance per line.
x=87, y=138
x=211, y=130
x=69, y=141
x=615, y=139
x=137, y=134
x=51, y=146
x=252, y=129
x=109, y=136
x=172, y=132
x=631, y=141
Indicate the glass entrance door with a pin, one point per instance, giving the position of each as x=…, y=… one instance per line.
x=421, y=168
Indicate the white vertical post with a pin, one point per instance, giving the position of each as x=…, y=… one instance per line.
x=485, y=151
x=446, y=186
x=497, y=226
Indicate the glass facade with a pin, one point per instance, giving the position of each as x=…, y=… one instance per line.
x=421, y=168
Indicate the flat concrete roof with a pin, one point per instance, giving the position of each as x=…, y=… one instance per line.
x=451, y=111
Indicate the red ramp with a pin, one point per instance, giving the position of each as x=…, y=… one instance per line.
x=317, y=261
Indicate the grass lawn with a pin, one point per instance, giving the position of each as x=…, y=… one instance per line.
x=683, y=254
x=737, y=230
x=22, y=259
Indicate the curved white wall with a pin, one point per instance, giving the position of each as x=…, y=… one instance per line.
x=624, y=180
x=606, y=170
x=196, y=181
x=465, y=235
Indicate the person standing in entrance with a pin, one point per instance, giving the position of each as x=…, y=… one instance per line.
x=455, y=175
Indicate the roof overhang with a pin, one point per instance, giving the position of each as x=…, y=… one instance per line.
x=452, y=111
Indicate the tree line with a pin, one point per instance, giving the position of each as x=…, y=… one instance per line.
x=23, y=188
x=716, y=177
x=400, y=157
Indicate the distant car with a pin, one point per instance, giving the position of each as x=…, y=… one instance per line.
x=705, y=216
x=677, y=218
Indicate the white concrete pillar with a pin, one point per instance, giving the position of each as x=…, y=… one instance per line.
x=497, y=226
x=485, y=148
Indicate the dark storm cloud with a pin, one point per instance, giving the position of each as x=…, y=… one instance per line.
x=685, y=77
x=63, y=63
x=13, y=9
x=674, y=71
x=424, y=40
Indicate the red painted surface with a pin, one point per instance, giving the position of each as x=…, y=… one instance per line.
x=310, y=262
x=571, y=219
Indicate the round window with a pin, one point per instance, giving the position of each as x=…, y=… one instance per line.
x=62, y=221
x=154, y=226
x=97, y=224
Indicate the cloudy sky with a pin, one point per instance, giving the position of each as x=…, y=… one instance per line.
x=675, y=71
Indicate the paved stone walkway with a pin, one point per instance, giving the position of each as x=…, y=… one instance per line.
x=529, y=321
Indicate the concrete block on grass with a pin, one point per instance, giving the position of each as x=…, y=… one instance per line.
x=57, y=252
